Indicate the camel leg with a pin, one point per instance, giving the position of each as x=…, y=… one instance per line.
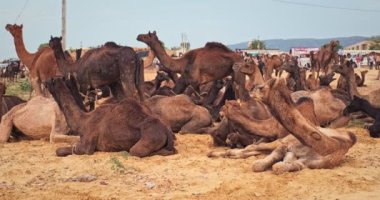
x=6, y=124
x=378, y=75
x=339, y=122
x=71, y=139
x=239, y=85
x=219, y=135
x=282, y=167
x=250, y=150
x=200, y=119
x=276, y=155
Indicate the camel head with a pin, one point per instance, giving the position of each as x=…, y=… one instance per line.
x=55, y=42
x=162, y=76
x=148, y=38
x=246, y=68
x=290, y=66
x=325, y=80
x=344, y=68
x=355, y=105
x=14, y=29
x=266, y=90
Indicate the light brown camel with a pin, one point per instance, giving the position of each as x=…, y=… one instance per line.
x=308, y=146
x=180, y=113
x=148, y=60
x=123, y=126
x=342, y=83
x=198, y=66
x=325, y=55
x=345, y=70
x=41, y=65
x=38, y=118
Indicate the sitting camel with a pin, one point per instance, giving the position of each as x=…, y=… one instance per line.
x=360, y=104
x=308, y=146
x=343, y=85
x=38, y=118
x=180, y=113
x=122, y=126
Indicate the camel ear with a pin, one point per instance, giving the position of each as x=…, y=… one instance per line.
x=154, y=32
x=51, y=37
x=21, y=26
x=149, y=33
x=60, y=38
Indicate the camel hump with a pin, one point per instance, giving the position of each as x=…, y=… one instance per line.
x=111, y=44
x=213, y=45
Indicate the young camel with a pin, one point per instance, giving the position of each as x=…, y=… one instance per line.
x=125, y=125
x=308, y=146
x=42, y=65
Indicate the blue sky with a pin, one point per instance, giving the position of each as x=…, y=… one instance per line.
x=93, y=22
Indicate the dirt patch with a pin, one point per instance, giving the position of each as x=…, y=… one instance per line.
x=30, y=170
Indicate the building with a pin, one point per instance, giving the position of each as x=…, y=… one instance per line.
x=360, y=46
x=255, y=52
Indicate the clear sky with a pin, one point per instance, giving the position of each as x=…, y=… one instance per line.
x=93, y=22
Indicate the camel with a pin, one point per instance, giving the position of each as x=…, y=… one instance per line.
x=308, y=146
x=360, y=104
x=250, y=69
x=133, y=129
x=180, y=113
x=155, y=87
x=42, y=65
x=112, y=65
x=342, y=83
x=38, y=118
x=325, y=55
x=272, y=63
x=198, y=66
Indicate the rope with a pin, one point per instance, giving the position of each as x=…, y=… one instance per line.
x=21, y=11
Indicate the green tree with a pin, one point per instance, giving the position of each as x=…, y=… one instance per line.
x=375, y=43
x=256, y=44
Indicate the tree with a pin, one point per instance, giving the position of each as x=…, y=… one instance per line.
x=375, y=43
x=256, y=44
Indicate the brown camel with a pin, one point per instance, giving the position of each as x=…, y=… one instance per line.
x=250, y=69
x=325, y=55
x=41, y=65
x=308, y=146
x=122, y=126
x=180, y=113
x=112, y=65
x=272, y=63
x=198, y=66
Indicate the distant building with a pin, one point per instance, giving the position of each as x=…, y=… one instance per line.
x=363, y=45
x=298, y=51
x=255, y=52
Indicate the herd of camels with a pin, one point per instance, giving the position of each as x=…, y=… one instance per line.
x=293, y=120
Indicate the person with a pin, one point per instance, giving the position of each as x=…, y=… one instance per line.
x=358, y=60
x=156, y=63
x=261, y=64
x=371, y=60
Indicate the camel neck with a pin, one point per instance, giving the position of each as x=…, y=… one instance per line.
x=285, y=111
x=369, y=109
x=72, y=112
x=166, y=61
x=351, y=84
x=63, y=64
x=25, y=56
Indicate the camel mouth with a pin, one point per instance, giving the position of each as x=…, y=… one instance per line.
x=8, y=27
x=139, y=38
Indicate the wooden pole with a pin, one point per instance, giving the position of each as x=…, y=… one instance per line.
x=64, y=24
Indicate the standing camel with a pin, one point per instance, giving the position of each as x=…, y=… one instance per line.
x=41, y=65
x=325, y=55
x=112, y=65
x=198, y=66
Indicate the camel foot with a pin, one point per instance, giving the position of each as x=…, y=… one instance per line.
x=64, y=151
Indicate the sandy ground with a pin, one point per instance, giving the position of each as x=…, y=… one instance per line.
x=30, y=170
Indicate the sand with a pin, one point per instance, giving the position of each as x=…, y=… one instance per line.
x=30, y=170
